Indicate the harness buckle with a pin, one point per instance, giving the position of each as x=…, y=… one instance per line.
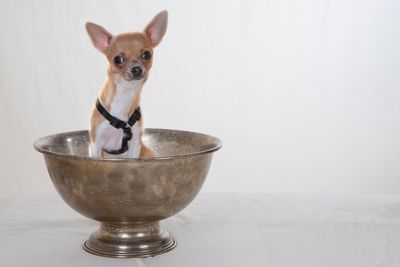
x=118, y=124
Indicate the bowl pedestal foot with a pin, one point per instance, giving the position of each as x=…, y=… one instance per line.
x=120, y=240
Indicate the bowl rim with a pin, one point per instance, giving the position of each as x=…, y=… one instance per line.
x=37, y=147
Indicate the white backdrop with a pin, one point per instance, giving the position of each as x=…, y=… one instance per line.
x=304, y=94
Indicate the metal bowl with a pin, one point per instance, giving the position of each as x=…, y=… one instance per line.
x=129, y=196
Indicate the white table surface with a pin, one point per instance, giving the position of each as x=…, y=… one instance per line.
x=219, y=230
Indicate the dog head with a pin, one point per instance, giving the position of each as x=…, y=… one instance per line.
x=130, y=55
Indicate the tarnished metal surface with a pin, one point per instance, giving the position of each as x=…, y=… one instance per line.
x=129, y=195
x=123, y=241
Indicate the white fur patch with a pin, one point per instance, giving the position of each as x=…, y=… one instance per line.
x=110, y=138
x=134, y=144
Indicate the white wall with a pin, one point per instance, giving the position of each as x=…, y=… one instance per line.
x=304, y=94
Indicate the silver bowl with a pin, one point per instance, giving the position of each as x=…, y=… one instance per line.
x=129, y=196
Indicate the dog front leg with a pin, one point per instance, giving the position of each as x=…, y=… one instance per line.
x=134, y=149
x=134, y=143
x=95, y=150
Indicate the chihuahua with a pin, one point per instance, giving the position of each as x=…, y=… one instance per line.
x=116, y=122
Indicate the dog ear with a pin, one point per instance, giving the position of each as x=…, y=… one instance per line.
x=100, y=37
x=156, y=29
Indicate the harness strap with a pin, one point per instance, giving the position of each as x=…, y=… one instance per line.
x=120, y=124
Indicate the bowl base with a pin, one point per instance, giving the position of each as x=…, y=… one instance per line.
x=129, y=241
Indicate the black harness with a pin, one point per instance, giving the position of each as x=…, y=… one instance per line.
x=119, y=124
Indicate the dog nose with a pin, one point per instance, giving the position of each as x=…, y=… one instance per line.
x=136, y=71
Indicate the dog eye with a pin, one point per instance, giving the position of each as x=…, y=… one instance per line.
x=146, y=55
x=118, y=60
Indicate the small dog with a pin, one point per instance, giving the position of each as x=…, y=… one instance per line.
x=116, y=123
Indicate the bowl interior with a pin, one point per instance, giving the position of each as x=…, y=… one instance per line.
x=165, y=143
